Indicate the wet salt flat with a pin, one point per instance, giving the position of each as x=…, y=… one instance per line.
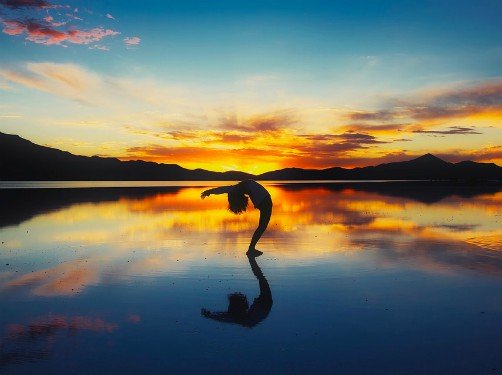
x=355, y=278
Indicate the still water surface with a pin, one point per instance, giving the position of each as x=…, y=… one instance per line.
x=355, y=278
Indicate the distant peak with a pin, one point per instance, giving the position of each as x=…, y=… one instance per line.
x=429, y=158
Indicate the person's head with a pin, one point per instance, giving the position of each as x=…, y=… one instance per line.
x=237, y=201
x=237, y=305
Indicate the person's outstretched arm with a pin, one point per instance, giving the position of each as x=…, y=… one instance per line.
x=218, y=190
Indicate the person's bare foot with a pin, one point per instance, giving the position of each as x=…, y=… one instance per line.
x=253, y=252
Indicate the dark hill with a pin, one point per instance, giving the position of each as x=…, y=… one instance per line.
x=426, y=167
x=23, y=160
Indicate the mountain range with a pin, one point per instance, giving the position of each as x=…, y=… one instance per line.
x=22, y=160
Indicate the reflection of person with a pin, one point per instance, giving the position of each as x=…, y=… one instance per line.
x=238, y=201
x=238, y=311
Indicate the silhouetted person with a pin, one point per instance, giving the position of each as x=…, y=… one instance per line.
x=238, y=311
x=238, y=202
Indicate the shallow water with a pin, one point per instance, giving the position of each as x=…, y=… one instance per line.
x=364, y=278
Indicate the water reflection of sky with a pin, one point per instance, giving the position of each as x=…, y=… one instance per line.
x=100, y=266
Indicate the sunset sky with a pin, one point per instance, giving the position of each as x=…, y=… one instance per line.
x=255, y=85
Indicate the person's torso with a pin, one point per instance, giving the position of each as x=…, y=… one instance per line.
x=256, y=192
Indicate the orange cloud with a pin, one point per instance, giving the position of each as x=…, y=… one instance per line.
x=391, y=128
x=451, y=130
x=368, y=141
x=65, y=80
x=464, y=101
x=269, y=138
x=278, y=120
x=306, y=150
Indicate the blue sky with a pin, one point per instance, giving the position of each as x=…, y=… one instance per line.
x=195, y=38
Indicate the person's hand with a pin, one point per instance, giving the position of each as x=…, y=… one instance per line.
x=204, y=194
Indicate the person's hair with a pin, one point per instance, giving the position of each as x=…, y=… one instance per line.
x=238, y=305
x=237, y=201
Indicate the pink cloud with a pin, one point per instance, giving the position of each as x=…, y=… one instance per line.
x=12, y=27
x=100, y=47
x=47, y=325
x=93, y=35
x=50, y=21
x=132, y=41
x=31, y=18
x=16, y=4
x=45, y=34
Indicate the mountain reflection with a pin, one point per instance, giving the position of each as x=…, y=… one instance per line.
x=80, y=237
